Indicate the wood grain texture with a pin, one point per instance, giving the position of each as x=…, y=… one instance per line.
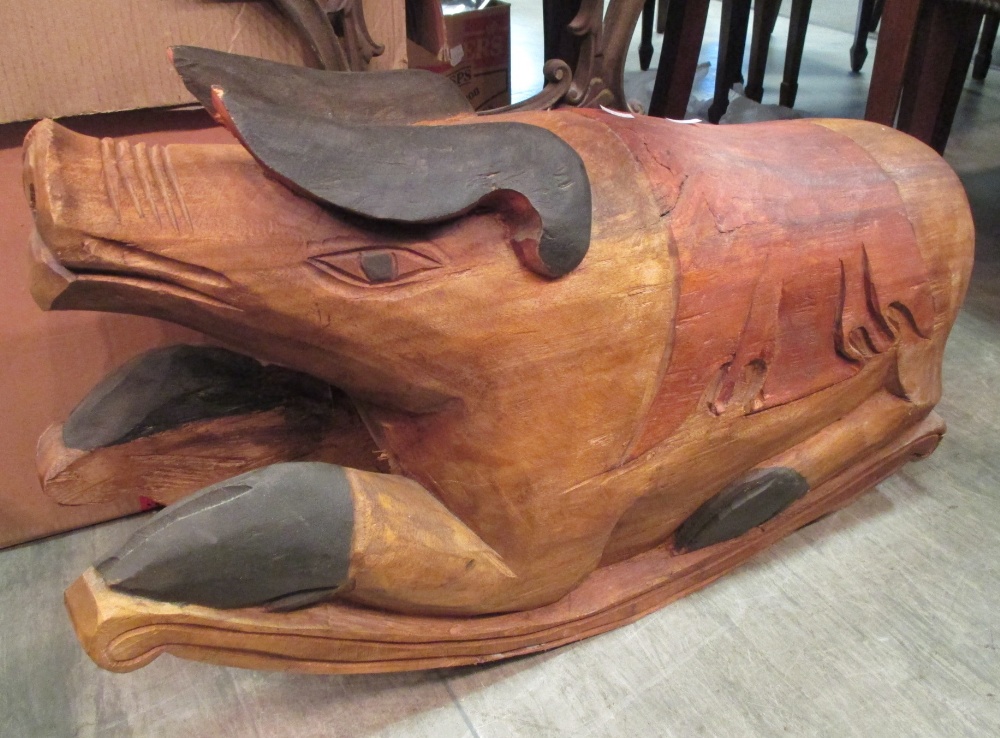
x=170, y=465
x=122, y=633
x=741, y=307
x=877, y=620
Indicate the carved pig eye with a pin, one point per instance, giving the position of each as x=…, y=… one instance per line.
x=374, y=266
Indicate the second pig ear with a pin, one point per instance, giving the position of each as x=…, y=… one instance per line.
x=428, y=174
x=398, y=96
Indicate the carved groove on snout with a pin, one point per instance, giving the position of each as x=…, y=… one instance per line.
x=426, y=174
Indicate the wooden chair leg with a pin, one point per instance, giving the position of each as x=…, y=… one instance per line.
x=764, y=13
x=859, y=51
x=646, y=35
x=947, y=40
x=899, y=25
x=738, y=40
x=797, y=26
x=876, y=15
x=772, y=15
x=986, y=41
x=661, y=16
x=559, y=43
x=732, y=43
x=684, y=31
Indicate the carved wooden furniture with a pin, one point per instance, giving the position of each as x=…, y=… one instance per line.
x=335, y=31
x=984, y=54
x=765, y=13
x=596, y=52
x=684, y=28
x=869, y=15
x=593, y=44
x=924, y=52
x=585, y=363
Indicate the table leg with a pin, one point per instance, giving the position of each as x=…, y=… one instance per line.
x=559, y=43
x=684, y=30
x=797, y=26
x=732, y=43
x=899, y=24
x=986, y=41
x=941, y=61
x=764, y=11
x=646, y=37
x=859, y=51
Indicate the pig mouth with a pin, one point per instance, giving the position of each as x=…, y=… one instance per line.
x=168, y=389
x=116, y=263
x=191, y=404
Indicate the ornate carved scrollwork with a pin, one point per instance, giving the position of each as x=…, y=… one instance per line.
x=335, y=31
x=558, y=78
x=338, y=36
x=348, y=21
x=598, y=75
x=587, y=88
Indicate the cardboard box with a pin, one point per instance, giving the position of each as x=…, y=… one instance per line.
x=474, y=53
x=461, y=75
x=51, y=360
x=65, y=57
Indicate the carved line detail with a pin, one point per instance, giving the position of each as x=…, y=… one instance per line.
x=157, y=167
x=110, y=171
x=142, y=165
x=168, y=165
x=125, y=162
x=143, y=172
x=859, y=343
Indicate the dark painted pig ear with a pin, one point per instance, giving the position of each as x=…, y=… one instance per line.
x=427, y=174
x=394, y=97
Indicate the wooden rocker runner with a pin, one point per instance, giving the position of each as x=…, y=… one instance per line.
x=516, y=380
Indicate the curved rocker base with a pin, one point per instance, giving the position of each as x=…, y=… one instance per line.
x=123, y=633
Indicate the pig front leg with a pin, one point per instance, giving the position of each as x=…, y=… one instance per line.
x=293, y=534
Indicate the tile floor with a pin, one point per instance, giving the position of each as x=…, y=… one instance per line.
x=880, y=620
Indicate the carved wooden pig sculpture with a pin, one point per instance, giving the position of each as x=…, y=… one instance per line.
x=606, y=358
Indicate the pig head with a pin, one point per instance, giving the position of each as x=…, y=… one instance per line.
x=436, y=292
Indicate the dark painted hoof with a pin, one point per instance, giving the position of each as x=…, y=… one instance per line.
x=278, y=536
x=743, y=505
x=167, y=387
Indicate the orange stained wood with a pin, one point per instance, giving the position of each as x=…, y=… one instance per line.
x=168, y=466
x=741, y=305
x=123, y=633
x=797, y=263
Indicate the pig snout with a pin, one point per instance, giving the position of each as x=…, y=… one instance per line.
x=74, y=186
x=49, y=278
x=111, y=221
x=113, y=215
